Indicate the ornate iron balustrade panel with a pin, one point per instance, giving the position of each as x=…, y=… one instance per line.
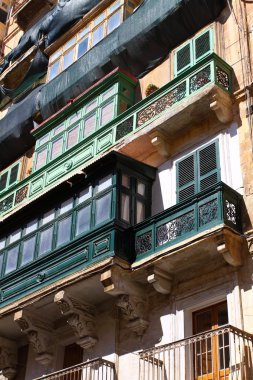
x=223, y=353
x=211, y=70
x=220, y=204
x=98, y=369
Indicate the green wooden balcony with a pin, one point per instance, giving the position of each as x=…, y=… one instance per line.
x=219, y=205
x=164, y=104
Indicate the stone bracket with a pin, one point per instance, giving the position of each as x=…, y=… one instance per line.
x=231, y=248
x=80, y=317
x=221, y=104
x=160, y=142
x=161, y=281
x=39, y=335
x=8, y=358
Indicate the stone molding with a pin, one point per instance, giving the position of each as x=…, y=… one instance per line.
x=231, y=247
x=160, y=142
x=8, y=358
x=221, y=104
x=161, y=281
x=80, y=317
x=39, y=335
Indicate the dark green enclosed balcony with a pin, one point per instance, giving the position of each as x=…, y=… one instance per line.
x=210, y=218
x=77, y=135
x=82, y=223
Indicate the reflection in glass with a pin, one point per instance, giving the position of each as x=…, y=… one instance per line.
x=104, y=183
x=12, y=259
x=46, y=238
x=113, y=21
x=83, y=220
x=125, y=207
x=107, y=113
x=64, y=231
x=103, y=208
x=28, y=250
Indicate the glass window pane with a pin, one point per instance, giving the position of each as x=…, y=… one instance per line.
x=103, y=208
x=82, y=47
x=58, y=129
x=98, y=34
x=14, y=174
x=54, y=70
x=46, y=238
x=56, y=148
x=43, y=139
x=108, y=93
x=83, y=220
x=14, y=236
x=3, y=181
x=66, y=206
x=84, y=195
x=12, y=259
x=2, y=243
x=1, y=263
x=41, y=158
x=76, y=116
x=107, y=113
x=89, y=125
x=72, y=138
x=125, y=207
x=140, y=212
x=91, y=106
x=140, y=188
x=64, y=231
x=104, y=183
x=99, y=19
x=28, y=250
x=31, y=226
x=84, y=32
x=113, y=21
x=68, y=59
x=55, y=56
x=48, y=216
x=69, y=43
x=114, y=6
x=125, y=181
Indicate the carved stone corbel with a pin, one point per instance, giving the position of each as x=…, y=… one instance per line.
x=221, y=104
x=8, y=358
x=231, y=248
x=39, y=335
x=81, y=318
x=160, y=142
x=131, y=299
x=161, y=281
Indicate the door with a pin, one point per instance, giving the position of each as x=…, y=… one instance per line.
x=211, y=351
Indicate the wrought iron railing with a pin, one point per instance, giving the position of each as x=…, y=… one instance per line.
x=98, y=369
x=212, y=70
x=218, y=205
x=225, y=353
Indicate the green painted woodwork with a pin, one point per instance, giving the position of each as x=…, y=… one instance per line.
x=198, y=171
x=9, y=177
x=70, y=231
x=218, y=205
x=208, y=71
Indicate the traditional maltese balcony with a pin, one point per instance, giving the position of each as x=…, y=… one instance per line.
x=104, y=117
x=222, y=353
x=184, y=238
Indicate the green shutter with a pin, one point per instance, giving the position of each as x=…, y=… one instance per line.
x=183, y=58
x=208, y=166
x=186, y=178
x=202, y=45
x=3, y=181
x=198, y=171
x=14, y=174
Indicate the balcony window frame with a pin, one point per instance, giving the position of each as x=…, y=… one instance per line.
x=192, y=51
x=8, y=185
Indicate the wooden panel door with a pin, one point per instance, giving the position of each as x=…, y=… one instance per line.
x=211, y=356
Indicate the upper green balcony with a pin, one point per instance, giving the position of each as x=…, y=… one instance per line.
x=105, y=117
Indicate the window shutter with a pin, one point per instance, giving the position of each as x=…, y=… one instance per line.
x=3, y=181
x=14, y=174
x=186, y=186
x=208, y=163
x=202, y=45
x=183, y=59
x=198, y=171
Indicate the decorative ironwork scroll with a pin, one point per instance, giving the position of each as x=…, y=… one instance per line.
x=175, y=228
x=21, y=194
x=222, y=78
x=174, y=96
x=6, y=204
x=124, y=128
x=208, y=212
x=230, y=211
x=200, y=79
x=143, y=243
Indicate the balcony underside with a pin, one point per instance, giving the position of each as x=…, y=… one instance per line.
x=154, y=144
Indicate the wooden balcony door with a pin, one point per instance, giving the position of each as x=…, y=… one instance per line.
x=211, y=354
